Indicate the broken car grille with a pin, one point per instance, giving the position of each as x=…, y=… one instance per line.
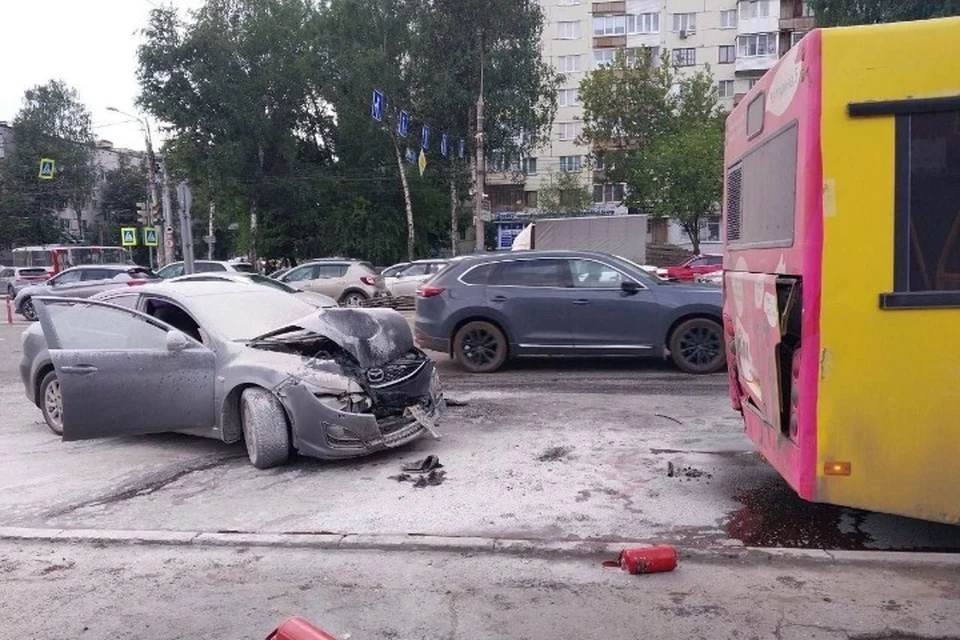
x=396, y=371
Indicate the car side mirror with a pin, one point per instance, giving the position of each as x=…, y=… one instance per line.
x=177, y=341
x=629, y=287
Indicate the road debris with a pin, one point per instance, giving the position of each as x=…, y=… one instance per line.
x=553, y=454
x=655, y=559
x=661, y=415
x=424, y=465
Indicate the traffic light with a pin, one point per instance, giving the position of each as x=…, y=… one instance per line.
x=143, y=216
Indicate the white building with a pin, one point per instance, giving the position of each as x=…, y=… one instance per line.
x=739, y=40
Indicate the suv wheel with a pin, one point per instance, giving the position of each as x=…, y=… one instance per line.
x=696, y=346
x=28, y=311
x=353, y=299
x=480, y=347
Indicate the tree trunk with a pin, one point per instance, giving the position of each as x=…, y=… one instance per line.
x=692, y=229
x=406, y=199
x=252, y=240
x=454, y=232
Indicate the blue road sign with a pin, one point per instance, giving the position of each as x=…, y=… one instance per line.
x=411, y=156
x=425, y=137
x=463, y=147
x=376, y=107
x=403, y=123
x=444, y=145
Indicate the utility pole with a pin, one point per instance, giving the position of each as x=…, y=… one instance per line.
x=481, y=171
x=185, y=199
x=211, y=239
x=168, y=256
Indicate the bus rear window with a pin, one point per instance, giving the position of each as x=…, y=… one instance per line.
x=762, y=194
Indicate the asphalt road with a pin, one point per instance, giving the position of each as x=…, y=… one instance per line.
x=550, y=449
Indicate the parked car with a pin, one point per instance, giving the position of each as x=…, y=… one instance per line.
x=12, y=279
x=175, y=269
x=394, y=269
x=316, y=299
x=349, y=282
x=714, y=277
x=416, y=273
x=230, y=361
x=692, y=268
x=81, y=282
x=484, y=310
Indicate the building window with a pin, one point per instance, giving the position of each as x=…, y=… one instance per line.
x=612, y=193
x=754, y=9
x=728, y=54
x=795, y=38
x=757, y=44
x=569, y=3
x=725, y=89
x=604, y=57
x=569, y=130
x=685, y=57
x=568, y=30
x=728, y=19
x=807, y=10
x=567, y=97
x=652, y=54
x=711, y=229
x=751, y=83
x=571, y=163
x=685, y=22
x=530, y=199
x=598, y=161
x=568, y=64
x=609, y=25
x=530, y=166
x=643, y=23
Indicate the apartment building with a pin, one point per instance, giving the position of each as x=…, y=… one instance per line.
x=738, y=40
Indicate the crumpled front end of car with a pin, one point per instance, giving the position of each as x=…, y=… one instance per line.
x=379, y=408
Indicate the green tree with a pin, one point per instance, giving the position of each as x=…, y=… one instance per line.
x=563, y=192
x=661, y=133
x=239, y=85
x=123, y=189
x=54, y=124
x=832, y=13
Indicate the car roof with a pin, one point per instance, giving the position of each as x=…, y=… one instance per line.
x=533, y=253
x=196, y=289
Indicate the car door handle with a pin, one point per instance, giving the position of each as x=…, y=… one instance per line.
x=79, y=369
x=498, y=299
x=581, y=302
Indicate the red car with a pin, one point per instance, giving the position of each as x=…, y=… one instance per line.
x=695, y=266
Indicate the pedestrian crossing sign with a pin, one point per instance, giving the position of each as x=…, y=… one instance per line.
x=128, y=236
x=150, y=238
x=47, y=168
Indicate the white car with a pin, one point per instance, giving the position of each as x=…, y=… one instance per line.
x=714, y=278
x=316, y=299
x=407, y=281
x=175, y=269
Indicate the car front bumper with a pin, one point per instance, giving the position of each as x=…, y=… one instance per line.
x=323, y=432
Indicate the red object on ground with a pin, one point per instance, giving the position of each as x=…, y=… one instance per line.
x=648, y=559
x=298, y=629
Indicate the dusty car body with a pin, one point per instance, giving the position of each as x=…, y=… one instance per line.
x=193, y=357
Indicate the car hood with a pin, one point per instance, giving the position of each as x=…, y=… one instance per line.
x=372, y=336
x=33, y=290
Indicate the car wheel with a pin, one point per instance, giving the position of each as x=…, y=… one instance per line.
x=28, y=311
x=51, y=402
x=480, y=347
x=264, y=428
x=696, y=346
x=353, y=299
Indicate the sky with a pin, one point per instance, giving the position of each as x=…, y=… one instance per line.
x=89, y=44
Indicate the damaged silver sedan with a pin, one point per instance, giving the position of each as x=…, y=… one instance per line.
x=234, y=362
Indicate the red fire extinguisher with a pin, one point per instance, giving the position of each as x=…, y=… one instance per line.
x=647, y=559
x=298, y=629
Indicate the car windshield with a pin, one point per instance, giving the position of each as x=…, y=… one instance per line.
x=270, y=282
x=653, y=276
x=242, y=315
x=243, y=267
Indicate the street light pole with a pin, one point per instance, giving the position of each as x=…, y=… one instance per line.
x=481, y=172
x=152, y=182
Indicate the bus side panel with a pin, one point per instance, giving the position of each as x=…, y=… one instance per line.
x=889, y=397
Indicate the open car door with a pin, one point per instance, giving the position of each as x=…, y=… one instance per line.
x=122, y=372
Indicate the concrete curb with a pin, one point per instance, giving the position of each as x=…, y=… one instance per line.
x=454, y=544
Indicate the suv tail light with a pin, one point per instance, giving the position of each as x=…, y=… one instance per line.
x=429, y=291
x=370, y=281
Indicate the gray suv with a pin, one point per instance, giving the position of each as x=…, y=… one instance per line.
x=82, y=282
x=485, y=309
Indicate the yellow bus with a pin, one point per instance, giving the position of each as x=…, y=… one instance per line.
x=842, y=267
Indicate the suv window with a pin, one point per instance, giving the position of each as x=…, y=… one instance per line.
x=480, y=274
x=415, y=270
x=98, y=274
x=589, y=274
x=542, y=272
x=66, y=277
x=208, y=267
x=33, y=271
x=305, y=272
x=331, y=270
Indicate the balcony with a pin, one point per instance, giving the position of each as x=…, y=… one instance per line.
x=610, y=42
x=798, y=24
x=755, y=65
x=609, y=8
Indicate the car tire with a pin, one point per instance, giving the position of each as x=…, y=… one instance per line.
x=265, y=430
x=353, y=299
x=480, y=347
x=51, y=402
x=11, y=293
x=28, y=311
x=696, y=346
